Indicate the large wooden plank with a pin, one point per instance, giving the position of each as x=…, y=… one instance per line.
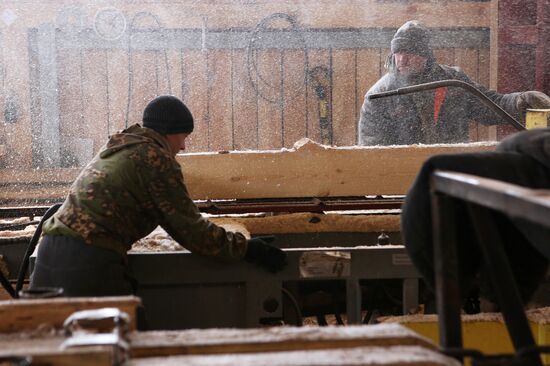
x=311, y=170
x=360, y=356
x=20, y=315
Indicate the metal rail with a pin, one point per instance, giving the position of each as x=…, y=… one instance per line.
x=258, y=205
x=461, y=84
x=483, y=196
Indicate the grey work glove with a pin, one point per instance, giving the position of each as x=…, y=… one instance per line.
x=532, y=99
x=265, y=255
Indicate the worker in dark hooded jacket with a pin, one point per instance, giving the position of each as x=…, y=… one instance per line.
x=523, y=159
x=440, y=115
x=129, y=188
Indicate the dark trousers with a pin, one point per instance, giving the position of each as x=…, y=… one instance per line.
x=80, y=269
x=520, y=238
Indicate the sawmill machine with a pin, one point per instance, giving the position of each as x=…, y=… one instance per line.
x=334, y=210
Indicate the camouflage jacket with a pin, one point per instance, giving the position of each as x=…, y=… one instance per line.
x=433, y=116
x=129, y=188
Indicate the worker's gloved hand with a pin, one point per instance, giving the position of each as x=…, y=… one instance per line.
x=264, y=254
x=532, y=99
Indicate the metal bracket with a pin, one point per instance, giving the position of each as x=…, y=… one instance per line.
x=105, y=320
x=99, y=327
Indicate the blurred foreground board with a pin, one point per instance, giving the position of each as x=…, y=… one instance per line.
x=383, y=344
x=28, y=315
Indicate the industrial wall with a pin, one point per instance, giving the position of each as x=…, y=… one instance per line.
x=256, y=74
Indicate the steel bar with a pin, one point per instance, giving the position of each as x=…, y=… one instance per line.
x=483, y=197
x=255, y=206
x=446, y=272
x=461, y=84
x=513, y=200
x=502, y=279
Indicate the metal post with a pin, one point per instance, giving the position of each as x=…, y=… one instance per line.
x=446, y=271
x=503, y=281
x=410, y=295
x=353, y=301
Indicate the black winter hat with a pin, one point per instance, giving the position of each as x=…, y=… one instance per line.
x=168, y=115
x=412, y=37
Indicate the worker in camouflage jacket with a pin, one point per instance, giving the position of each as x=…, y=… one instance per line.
x=129, y=188
x=439, y=115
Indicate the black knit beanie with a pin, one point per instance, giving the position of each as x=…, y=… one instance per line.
x=168, y=115
x=412, y=37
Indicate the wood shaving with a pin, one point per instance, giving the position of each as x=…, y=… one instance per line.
x=27, y=232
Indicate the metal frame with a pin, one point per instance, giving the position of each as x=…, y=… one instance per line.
x=244, y=206
x=181, y=290
x=483, y=196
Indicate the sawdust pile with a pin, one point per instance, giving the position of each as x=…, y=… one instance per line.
x=26, y=233
x=16, y=221
x=157, y=241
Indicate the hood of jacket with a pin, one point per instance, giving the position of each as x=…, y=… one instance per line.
x=133, y=135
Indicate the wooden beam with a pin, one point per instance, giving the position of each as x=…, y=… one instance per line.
x=310, y=170
x=20, y=315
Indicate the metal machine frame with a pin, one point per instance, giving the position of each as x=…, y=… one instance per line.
x=483, y=196
x=184, y=290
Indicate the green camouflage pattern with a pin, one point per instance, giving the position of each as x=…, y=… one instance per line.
x=129, y=188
